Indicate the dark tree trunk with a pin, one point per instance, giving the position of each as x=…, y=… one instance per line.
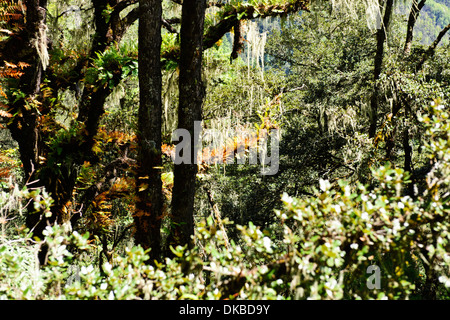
x=25, y=127
x=381, y=38
x=238, y=41
x=413, y=14
x=408, y=160
x=191, y=96
x=147, y=218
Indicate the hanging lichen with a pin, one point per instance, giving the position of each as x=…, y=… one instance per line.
x=169, y=100
x=256, y=42
x=350, y=7
x=40, y=43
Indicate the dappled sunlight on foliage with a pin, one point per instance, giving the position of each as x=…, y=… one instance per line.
x=224, y=150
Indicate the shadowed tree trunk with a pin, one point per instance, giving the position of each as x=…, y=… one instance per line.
x=191, y=96
x=381, y=38
x=25, y=127
x=147, y=218
x=413, y=14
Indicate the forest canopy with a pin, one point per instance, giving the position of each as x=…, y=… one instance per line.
x=261, y=149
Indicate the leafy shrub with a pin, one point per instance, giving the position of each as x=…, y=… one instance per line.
x=320, y=248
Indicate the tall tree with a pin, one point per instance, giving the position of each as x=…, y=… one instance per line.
x=31, y=48
x=148, y=213
x=413, y=15
x=191, y=94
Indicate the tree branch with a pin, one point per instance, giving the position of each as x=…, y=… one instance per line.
x=109, y=176
x=168, y=26
x=232, y=14
x=431, y=49
x=413, y=14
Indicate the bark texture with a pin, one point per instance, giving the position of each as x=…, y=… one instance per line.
x=192, y=92
x=381, y=38
x=413, y=15
x=149, y=203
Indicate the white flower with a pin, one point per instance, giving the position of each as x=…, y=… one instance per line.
x=286, y=198
x=354, y=246
x=395, y=226
x=337, y=208
x=87, y=270
x=267, y=243
x=47, y=231
x=107, y=267
x=324, y=184
x=335, y=224
x=331, y=283
x=445, y=281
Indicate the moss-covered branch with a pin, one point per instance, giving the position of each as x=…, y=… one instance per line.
x=230, y=15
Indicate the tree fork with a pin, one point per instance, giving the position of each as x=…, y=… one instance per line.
x=413, y=15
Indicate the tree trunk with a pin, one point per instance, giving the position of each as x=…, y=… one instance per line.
x=147, y=218
x=413, y=14
x=431, y=49
x=191, y=96
x=408, y=160
x=25, y=127
x=381, y=38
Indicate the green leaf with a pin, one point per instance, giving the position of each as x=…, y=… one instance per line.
x=330, y=262
x=241, y=15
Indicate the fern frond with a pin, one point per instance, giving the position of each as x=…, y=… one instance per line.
x=11, y=16
x=5, y=114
